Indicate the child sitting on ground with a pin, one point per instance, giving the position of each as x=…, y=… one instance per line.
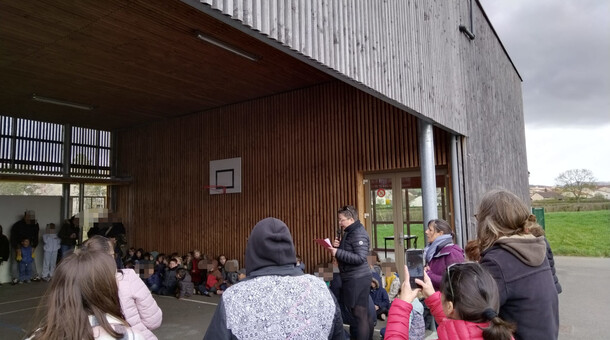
x=241, y=274
x=300, y=263
x=325, y=272
x=390, y=279
x=214, y=279
x=380, y=299
x=187, y=260
x=231, y=276
x=154, y=281
x=465, y=308
x=170, y=282
x=131, y=255
x=185, y=285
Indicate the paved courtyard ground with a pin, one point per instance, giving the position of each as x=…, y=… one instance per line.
x=583, y=305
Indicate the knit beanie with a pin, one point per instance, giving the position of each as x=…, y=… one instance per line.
x=270, y=244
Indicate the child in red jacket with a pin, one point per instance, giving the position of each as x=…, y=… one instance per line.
x=466, y=307
x=214, y=279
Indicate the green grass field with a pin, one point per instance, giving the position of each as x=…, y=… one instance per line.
x=388, y=230
x=575, y=233
x=579, y=233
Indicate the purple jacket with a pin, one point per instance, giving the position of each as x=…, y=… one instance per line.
x=449, y=254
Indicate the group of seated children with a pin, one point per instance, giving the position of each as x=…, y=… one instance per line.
x=183, y=276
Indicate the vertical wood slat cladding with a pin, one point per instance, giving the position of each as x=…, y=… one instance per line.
x=302, y=153
x=409, y=51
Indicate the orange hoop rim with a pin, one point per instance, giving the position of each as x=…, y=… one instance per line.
x=217, y=187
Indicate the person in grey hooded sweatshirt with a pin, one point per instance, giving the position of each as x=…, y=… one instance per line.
x=275, y=300
x=518, y=262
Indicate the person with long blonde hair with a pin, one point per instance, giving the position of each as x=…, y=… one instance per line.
x=517, y=260
x=82, y=302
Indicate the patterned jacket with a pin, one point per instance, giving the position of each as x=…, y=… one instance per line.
x=277, y=307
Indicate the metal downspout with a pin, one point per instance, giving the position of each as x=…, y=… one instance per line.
x=455, y=180
x=428, y=173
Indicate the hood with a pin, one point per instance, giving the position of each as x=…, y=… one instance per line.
x=527, y=248
x=270, y=244
x=376, y=283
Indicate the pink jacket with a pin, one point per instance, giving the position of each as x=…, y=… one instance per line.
x=450, y=329
x=138, y=306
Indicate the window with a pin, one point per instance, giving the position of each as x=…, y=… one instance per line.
x=33, y=147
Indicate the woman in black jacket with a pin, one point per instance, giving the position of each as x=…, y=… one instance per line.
x=351, y=254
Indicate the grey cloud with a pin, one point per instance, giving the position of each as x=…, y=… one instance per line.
x=562, y=51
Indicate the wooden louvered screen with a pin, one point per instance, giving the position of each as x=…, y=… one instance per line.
x=303, y=155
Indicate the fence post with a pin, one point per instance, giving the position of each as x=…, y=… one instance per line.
x=539, y=213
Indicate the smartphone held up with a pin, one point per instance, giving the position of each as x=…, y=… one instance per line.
x=415, y=264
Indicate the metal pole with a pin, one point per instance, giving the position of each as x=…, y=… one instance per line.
x=455, y=180
x=81, y=208
x=428, y=173
x=65, y=192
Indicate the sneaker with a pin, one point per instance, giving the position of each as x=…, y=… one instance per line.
x=46, y=279
x=20, y=282
x=206, y=293
x=14, y=282
x=27, y=281
x=36, y=278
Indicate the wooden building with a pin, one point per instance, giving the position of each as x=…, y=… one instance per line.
x=323, y=103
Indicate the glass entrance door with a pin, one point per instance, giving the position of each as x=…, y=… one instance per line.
x=394, y=213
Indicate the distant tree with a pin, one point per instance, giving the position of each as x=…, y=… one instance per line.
x=575, y=181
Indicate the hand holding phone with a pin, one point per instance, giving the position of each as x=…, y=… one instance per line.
x=407, y=293
x=426, y=285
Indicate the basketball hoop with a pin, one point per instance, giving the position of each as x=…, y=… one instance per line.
x=216, y=187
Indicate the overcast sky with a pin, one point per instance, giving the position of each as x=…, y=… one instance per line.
x=561, y=48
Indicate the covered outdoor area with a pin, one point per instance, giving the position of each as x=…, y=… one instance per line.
x=178, y=89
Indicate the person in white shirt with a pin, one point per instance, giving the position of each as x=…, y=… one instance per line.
x=52, y=243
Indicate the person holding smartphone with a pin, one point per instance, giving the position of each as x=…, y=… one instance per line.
x=351, y=252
